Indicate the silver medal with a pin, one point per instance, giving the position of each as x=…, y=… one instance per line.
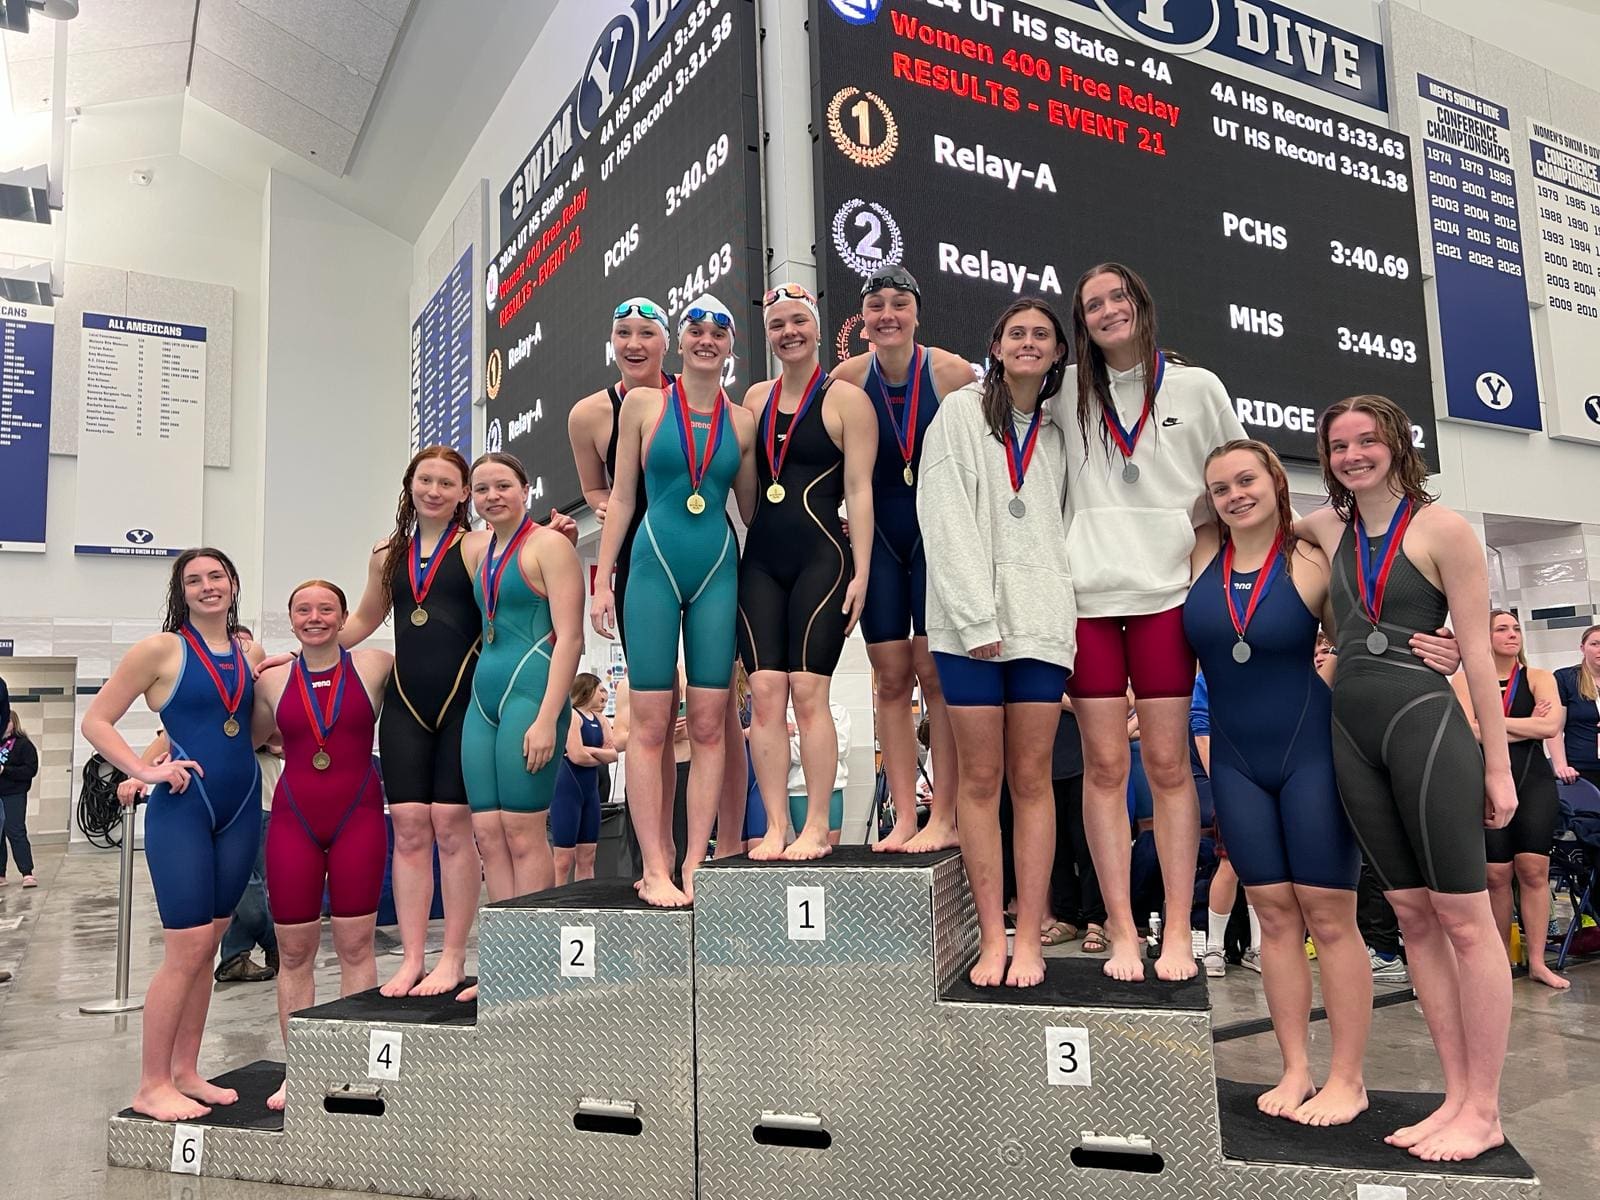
x=1017, y=508
x=1241, y=652
x=1377, y=642
x=1130, y=472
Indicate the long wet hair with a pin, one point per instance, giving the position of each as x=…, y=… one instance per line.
x=178, y=608
x=405, y=513
x=1280, y=492
x=996, y=392
x=1406, y=468
x=1522, y=650
x=1094, y=379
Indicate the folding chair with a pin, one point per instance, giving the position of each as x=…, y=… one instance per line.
x=1576, y=855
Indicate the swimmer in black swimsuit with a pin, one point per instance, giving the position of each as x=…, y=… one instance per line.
x=1416, y=790
x=801, y=588
x=1533, y=712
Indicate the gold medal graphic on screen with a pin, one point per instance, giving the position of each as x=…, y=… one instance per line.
x=863, y=127
x=492, y=375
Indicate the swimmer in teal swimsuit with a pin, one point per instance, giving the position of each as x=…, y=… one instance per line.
x=529, y=586
x=693, y=446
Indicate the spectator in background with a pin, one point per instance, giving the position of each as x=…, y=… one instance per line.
x=1575, y=752
x=1074, y=893
x=19, y=763
x=797, y=774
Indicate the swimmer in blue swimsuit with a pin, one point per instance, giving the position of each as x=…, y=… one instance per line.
x=905, y=381
x=203, y=827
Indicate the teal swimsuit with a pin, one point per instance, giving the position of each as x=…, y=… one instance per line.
x=685, y=567
x=507, y=692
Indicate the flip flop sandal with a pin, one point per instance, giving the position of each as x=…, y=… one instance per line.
x=1057, y=932
x=1094, y=940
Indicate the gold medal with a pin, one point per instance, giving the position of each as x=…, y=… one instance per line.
x=488, y=633
x=775, y=493
x=908, y=476
x=696, y=503
x=321, y=761
x=419, y=616
x=230, y=727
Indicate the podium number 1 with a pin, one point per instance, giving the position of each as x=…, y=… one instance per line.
x=188, y=1149
x=383, y=1054
x=1067, y=1056
x=577, y=951
x=807, y=915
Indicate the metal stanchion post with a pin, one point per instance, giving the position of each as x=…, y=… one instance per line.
x=120, y=1003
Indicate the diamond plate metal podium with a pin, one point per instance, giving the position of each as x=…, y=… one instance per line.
x=808, y=1033
x=576, y=1079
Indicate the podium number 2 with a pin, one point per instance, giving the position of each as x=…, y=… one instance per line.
x=808, y=917
x=1067, y=1056
x=577, y=951
x=188, y=1149
x=383, y=1054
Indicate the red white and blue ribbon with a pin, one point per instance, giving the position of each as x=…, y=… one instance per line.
x=1373, y=568
x=1125, y=438
x=775, y=454
x=1019, y=456
x=698, y=464
x=494, y=569
x=323, y=716
x=1270, y=569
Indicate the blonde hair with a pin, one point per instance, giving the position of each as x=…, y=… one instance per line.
x=1586, y=684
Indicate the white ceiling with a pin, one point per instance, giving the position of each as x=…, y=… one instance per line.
x=117, y=50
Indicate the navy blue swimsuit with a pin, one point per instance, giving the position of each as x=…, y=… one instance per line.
x=575, y=805
x=896, y=603
x=1272, y=772
x=201, y=845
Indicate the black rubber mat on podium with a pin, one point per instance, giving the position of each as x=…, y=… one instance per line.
x=1250, y=1135
x=398, y=1010
x=842, y=856
x=589, y=893
x=254, y=1084
x=1081, y=983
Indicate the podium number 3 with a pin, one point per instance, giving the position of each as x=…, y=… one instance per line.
x=577, y=951
x=188, y=1149
x=383, y=1054
x=808, y=915
x=1067, y=1056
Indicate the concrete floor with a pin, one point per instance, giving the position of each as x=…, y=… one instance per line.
x=62, y=1074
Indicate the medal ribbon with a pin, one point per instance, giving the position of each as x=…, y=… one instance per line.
x=1372, y=570
x=209, y=662
x=698, y=464
x=775, y=456
x=1264, y=580
x=1125, y=439
x=1512, y=684
x=420, y=582
x=494, y=570
x=323, y=716
x=1018, y=457
x=905, y=435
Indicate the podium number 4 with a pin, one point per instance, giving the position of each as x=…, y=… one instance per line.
x=1067, y=1056
x=188, y=1149
x=808, y=916
x=577, y=951
x=383, y=1054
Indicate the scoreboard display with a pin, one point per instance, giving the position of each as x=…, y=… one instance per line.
x=646, y=183
x=1005, y=155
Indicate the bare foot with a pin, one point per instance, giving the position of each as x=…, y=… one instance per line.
x=1027, y=967
x=167, y=1103
x=990, y=969
x=1540, y=973
x=1127, y=961
x=902, y=833
x=1409, y=1135
x=1177, y=961
x=769, y=847
x=203, y=1090
x=935, y=835
x=663, y=894
x=1465, y=1137
x=405, y=979
x=689, y=868
x=1337, y=1103
x=467, y=994
x=279, y=1098
x=808, y=846
x=446, y=977
x=1293, y=1090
